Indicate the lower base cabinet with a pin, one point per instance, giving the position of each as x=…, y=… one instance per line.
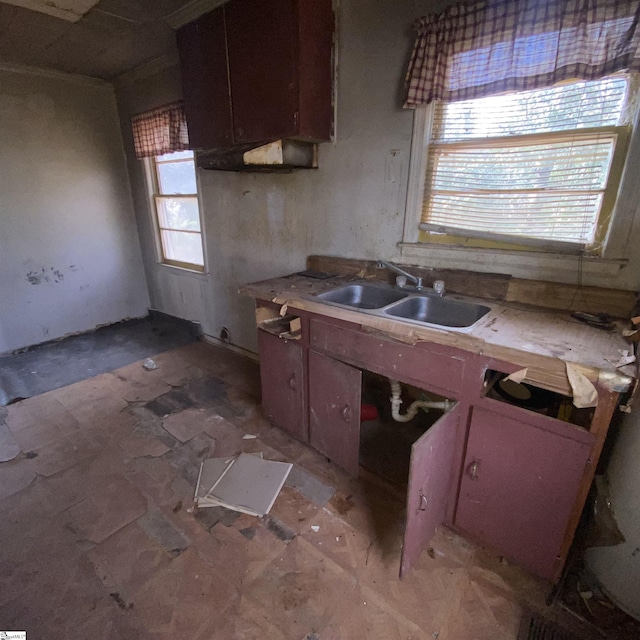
x=509, y=478
x=334, y=410
x=283, y=383
x=519, y=485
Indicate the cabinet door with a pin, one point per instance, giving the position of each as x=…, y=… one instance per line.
x=519, y=486
x=205, y=81
x=430, y=476
x=261, y=36
x=334, y=410
x=283, y=385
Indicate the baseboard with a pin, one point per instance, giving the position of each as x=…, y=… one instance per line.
x=231, y=347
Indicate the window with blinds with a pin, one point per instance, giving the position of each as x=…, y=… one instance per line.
x=534, y=167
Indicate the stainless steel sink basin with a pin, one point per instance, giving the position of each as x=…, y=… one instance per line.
x=362, y=296
x=440, y=311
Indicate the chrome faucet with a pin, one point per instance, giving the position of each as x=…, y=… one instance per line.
x=392, y=267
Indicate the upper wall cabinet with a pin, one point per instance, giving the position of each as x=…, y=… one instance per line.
x=205, y=81
x=254, y=71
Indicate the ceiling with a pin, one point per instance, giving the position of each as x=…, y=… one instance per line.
x=111, y=38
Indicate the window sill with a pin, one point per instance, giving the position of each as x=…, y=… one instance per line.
x=182, y=270
x=530, y=265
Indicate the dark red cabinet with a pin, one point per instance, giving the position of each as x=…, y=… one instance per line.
x=254, y=71
x=510, y=478
x=431, y=472
x=334, y=408
x=283, y=383
x=205, y=81
x=520, y=482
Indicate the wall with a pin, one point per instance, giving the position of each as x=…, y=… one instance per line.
x=259, y=226
x=618, y=567
x=69, y=252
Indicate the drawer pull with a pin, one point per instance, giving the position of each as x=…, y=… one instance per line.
x=292, y=381
x=473, y=469
x=346, y=413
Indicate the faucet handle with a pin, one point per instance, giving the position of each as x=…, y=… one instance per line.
x=438, y=287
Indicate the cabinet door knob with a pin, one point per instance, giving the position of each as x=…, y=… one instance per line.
x=346, y=413
x=473, y=469
x=292, y=381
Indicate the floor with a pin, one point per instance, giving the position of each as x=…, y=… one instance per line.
x=62, y=362
x=99, y=538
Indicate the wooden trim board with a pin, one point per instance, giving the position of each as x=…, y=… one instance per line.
x=494, y=286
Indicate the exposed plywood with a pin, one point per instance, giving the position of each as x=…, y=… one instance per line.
x=71, y=10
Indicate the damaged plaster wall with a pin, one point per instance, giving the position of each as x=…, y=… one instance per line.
x=263, y=225
x=69, y=252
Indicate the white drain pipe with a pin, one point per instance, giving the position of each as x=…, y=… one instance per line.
x=414, y=407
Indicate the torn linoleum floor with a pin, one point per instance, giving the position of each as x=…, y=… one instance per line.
x=98, y=540
x=63, y=362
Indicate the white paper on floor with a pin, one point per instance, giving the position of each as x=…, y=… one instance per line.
x=245, y=483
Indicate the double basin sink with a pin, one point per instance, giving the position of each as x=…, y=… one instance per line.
x=415, y=307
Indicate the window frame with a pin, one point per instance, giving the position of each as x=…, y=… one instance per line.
x=414, y=232
x=154, y=194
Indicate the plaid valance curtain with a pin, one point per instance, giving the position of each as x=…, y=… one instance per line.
x=161, y=130
x=475, y=49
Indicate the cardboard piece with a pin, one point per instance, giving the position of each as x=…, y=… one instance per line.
x=517, y=376
x=584, y=393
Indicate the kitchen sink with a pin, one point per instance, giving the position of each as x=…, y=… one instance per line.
x=444, y=312
x=362, y=296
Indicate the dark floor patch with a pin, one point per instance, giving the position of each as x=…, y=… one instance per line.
x=156, y=526
x=535, y=627
x=279, y=529
x=343, y=505
x=248, y=532
x=119, y=601
x=187, y=457
x=309, y=486
x=57, y=364
x=171, y=402
x=209, y=517
x=31, y=454
x=148, y=424
x=205, y=392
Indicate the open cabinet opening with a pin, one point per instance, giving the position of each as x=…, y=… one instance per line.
x=385, y=442
x=498, y=387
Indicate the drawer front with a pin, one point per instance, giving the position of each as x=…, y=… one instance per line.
x=418, y=365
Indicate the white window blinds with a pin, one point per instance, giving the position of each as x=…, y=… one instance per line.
x=531, y=167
